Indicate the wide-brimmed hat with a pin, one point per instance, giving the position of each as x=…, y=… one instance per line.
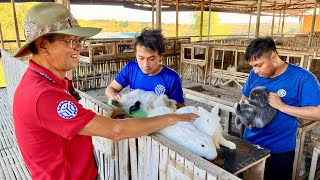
x=51, y=18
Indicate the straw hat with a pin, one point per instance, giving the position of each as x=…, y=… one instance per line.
x=51, y=18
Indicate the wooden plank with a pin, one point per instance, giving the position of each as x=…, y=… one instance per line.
x=163, y=164
x=21, y=162
x=116, y=162
x=155, y=155
x=147, y=159
x=255, y=172
x=200, y=162
x=199, y=172
x=314, y=160
x=123, y=159
x=5, y=164
x=133, y=158
x=141, y=156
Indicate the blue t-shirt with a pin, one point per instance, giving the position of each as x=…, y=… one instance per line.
x=167, y=81
x=296, y=87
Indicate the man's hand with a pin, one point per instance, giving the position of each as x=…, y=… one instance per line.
x=116, y=97
x=175, y=118
x=275, y=101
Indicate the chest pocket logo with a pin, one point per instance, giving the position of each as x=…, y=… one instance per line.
x=67, y=110
x=282, y=92
x=159, y=89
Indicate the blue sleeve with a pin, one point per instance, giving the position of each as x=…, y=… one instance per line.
x=176, y=92
x=123, y=76
x=247, y=86
x=309, y=91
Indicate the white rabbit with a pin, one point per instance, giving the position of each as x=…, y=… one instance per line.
x=209, y=123
x=187, y=135
x=148, y=100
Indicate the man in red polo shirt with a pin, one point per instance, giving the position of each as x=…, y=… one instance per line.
x=53, y=130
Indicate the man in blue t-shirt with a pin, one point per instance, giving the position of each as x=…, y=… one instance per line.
x=147, y=73
x=294, y=92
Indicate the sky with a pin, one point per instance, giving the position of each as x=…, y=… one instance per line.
x=120, y=13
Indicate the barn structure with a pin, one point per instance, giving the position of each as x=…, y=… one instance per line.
x=205, y=68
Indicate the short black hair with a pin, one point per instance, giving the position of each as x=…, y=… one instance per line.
x=258, y=47
x=151, y=39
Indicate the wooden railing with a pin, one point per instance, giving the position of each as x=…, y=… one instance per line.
x=148, y=157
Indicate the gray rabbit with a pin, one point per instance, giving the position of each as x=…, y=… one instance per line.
x=256, y=109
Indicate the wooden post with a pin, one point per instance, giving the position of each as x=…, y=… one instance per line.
x=177, y=18
x=67, y=4
x=313, y=22
x=209, y=20
x=258, y=18
x=1, y=38
x=158, y=13
x=274, y=12
x=284, y=16
x=16, y=24
x=201, y=19
x=279, y=24
x=301, y=22
x=64, y=2
x=249, y=28
x=152, y=14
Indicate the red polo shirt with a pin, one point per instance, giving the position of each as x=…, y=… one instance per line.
x=47, y=119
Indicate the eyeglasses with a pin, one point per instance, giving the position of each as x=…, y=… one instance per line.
x=75, y=43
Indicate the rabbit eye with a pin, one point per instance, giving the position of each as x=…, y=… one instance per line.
x=202, y=145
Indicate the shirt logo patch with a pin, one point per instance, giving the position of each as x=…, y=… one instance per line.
x=282, y=92
x=159, y=89
x=67, y=110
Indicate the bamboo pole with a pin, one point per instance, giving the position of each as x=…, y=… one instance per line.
x=152, y=14
x=64, y=2
x=177, y=18
x=249, y=28
x=158, y=13
x=313, y=22
x=258, y=18
x=274, y=12
x=16, y=24
x=279, y=23
x=209, y=20
x=301, y=22
x=201, y=19
x=284, y=17
x=1, y=38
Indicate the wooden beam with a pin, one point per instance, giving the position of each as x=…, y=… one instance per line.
x=16, y=24
x=279, y=23
x=1, y=38
x=274, y=12
x=152, y=14
x=64, y=2
x=313, y=22
x=177, y=18
x=284, y=17
x=201, y=19
x=158, y=13
x=209, y=20
x=249, y=28
x=258, y=18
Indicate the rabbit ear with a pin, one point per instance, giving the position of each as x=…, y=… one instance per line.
x=215, y=110
x=202, y=111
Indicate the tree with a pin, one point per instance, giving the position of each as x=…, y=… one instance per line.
x=216, y=28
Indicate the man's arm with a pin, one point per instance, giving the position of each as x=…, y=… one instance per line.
x=128, y=128
x=112, y=91
x=307, y=113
